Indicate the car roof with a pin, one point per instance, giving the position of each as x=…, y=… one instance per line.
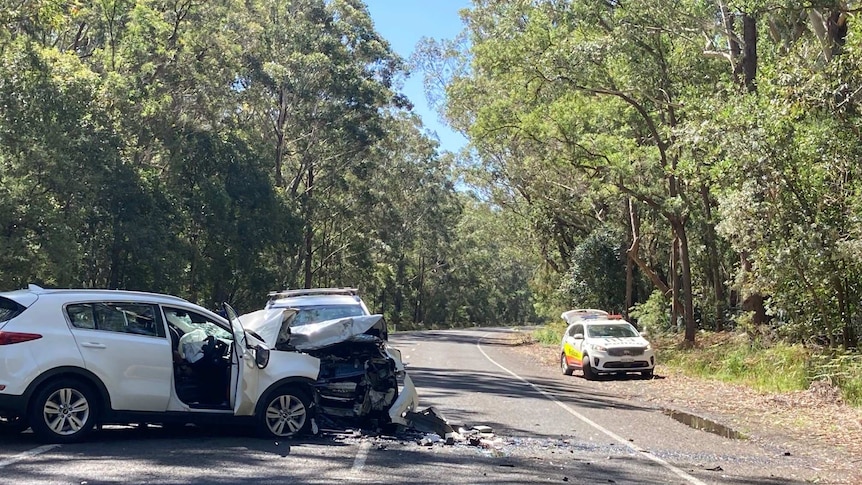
x=32, y=293
x=314, y=300
x=588, y=316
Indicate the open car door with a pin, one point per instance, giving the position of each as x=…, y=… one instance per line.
x=244, y=373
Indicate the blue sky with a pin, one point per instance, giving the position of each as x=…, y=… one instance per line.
x=403, y=23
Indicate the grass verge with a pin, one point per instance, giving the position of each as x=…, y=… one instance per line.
x=778, y=367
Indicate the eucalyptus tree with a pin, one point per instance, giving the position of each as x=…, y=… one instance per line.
x=783, y=163
x=316, y=76
x=588, y=96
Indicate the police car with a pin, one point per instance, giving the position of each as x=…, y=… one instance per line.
x=596, y=342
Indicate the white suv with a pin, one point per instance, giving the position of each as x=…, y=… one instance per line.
x=320, y=304
x=597, y=342
x=75, y=358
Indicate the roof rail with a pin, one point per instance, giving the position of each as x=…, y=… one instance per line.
x=313, y=291
x=582, y=314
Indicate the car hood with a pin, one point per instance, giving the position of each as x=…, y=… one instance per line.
x=273, y=326
x=619, y=341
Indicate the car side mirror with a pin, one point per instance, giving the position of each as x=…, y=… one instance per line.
x=261, y=356
x=578, y=336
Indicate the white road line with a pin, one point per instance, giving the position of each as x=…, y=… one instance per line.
x=27, y=454
x=590, y=422
x=359, y=461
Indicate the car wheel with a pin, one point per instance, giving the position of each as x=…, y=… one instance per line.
x=588, y=369
x=647, y=374
x=64, y=411
x=13, y=424
x=287, y=413
x=565, y=365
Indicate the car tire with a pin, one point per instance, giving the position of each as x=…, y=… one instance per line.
x=286, y=413
x=64, y=411
x=567, y=371
x=13, y=425
x=647, y=374
x=588, y=369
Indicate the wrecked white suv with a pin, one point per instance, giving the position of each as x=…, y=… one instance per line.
x=76, y=358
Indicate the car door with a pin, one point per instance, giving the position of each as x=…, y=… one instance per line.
x=245, y=376
x=574, y=345
x=126, y=346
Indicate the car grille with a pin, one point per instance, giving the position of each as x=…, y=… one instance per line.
x=626, y=365
x=622, y=351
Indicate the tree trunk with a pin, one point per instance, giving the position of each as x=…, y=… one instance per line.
x=713, y=268
x=632, y=252
x=398, y=301
x=674, y=283
x=420, y=289
x=281, y=121
x=309, y=224
x=752, y=302
x=749, y=55
x=630, y=280
x=732, y=43
x=685, y=273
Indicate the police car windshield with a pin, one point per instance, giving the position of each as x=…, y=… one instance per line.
x=616, y=330
x=321, y=313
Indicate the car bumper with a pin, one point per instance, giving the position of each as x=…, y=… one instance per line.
x=607, y=363
x=12, y=405
x=408, y=400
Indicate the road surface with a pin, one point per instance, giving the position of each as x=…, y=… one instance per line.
x=547, y=428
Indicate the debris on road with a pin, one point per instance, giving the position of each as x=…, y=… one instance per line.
x=429, y=421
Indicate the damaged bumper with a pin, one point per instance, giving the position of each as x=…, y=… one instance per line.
x=408, y=401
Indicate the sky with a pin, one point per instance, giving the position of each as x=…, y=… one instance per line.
x=403, y=23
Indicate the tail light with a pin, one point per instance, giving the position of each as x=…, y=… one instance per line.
x=8, y=338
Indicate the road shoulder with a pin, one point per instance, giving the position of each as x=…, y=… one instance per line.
x=813, y=423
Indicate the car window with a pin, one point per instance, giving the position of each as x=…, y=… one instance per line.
x=616, y=330
x=188, y=321
x=134, y=318
x=321, y=313
x=9, y=309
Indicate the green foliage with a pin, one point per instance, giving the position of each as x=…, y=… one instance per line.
x=550, y=333
x=841, y=369
x=653, y=315
x=597, y=277
x=743, y=361
x=218, y=150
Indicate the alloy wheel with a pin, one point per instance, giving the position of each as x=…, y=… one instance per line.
x=66, y=411
x=286, y=415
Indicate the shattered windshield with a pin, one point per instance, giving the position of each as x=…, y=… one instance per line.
x=322, y=313
x=616, y=330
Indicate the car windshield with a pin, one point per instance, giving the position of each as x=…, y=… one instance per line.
x=321, y=313
x=611, y=330
x=189, y=321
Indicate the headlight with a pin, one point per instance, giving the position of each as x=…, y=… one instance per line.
x=648, y=347
x=600, y=348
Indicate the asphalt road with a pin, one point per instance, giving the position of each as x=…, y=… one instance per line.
x=547, y=429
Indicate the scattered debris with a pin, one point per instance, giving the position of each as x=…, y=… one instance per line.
x=716, y=468
x=429, y=421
